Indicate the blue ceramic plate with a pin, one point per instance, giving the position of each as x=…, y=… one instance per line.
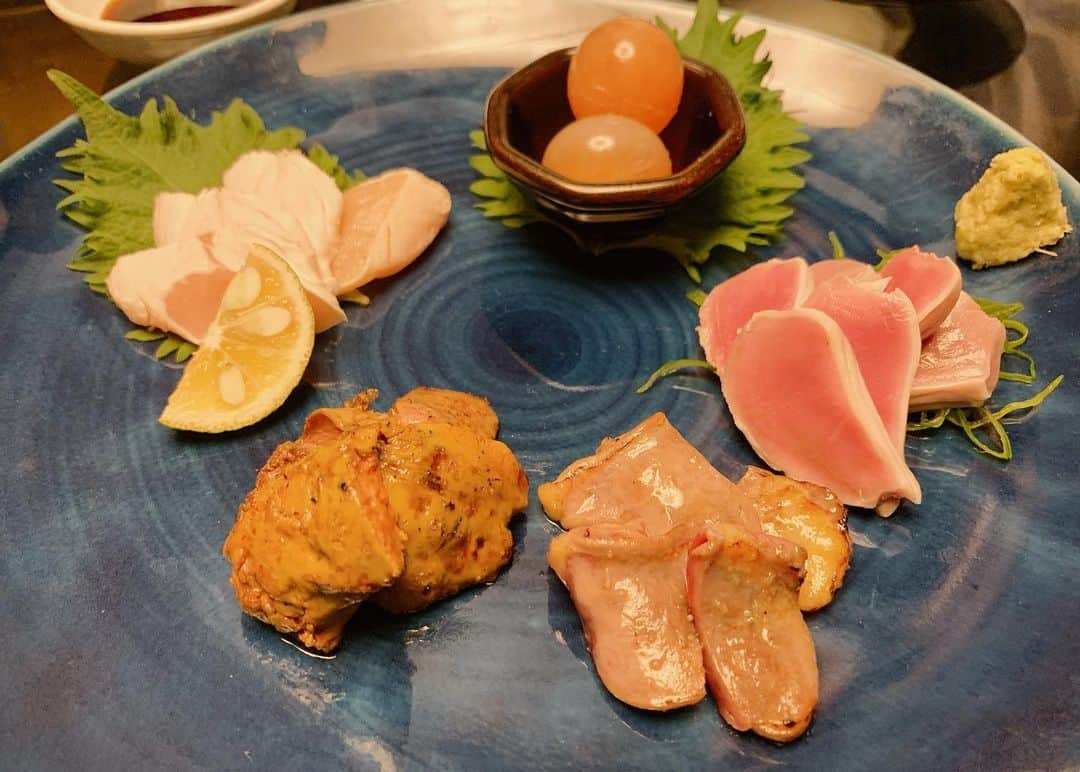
x=953, y=644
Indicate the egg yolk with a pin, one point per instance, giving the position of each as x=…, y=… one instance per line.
x=627, y=67
x=607, y=148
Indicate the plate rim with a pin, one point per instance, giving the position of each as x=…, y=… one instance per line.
x=297, y=21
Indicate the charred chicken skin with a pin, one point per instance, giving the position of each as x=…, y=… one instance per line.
x=410, y=507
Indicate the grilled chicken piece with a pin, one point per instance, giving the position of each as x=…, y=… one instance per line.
x=364, y=502
x=453, y=492
x=759, y=656
x=315, y=537
x=811, y=517
x=451, y=407
x=630, y=591
x=650, y=473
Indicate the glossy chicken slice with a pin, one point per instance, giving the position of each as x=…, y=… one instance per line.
x=811, y=517
x=386, y=223
x=230, y=221
x=795, y=391
x=315, y=537
x=775, y=284
x=759, y=656
x=960, y=363
x=289, y=181
x=883, y=331
x=650, y=473
x=932, y=284
x=177, y=287
x=630, y=591
x=452, y=407
x=843, y=268
x=453, y=492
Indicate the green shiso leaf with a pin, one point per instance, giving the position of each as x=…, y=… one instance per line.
x=745, y=206
x=126, y=160
x=144, y=335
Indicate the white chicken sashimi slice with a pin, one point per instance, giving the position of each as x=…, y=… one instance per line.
x=386, y=223
x=794, y=388
x=176, y=287
x=171, y=212
x=231, y=222
x=287, y=180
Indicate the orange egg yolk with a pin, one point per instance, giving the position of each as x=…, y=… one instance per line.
x=627, y=67
x=607, y=148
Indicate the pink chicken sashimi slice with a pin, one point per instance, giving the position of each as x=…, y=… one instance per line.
x=760, y=662
x=776, y=284
x=932, y=284
x=795, y=391
x=649, y=474
x=883, y=331
x=844, y=268
x=630, y=591
x=961, y=361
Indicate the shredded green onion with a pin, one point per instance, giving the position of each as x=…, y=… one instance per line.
x=697, y=297
x=997, y=309
x=1031, y=404
x=837, y=248
x=1009, y=375
x=1011, y=344
x=929, y=419
x=885, y=255
x=959, y=417
x=672, y=367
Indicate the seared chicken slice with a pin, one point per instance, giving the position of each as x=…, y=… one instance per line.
x=630, y=591
x=453, y=492
x=759, y=656
x=811, y=517
x=650, y=473
x=315, y=537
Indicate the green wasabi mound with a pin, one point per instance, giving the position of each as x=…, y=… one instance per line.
x=1012, y=211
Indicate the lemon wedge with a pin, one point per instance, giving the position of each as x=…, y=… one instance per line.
x=254, y=352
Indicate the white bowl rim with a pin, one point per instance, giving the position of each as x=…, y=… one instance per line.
x=164, y=29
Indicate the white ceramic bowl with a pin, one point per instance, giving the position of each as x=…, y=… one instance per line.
x=154, y=42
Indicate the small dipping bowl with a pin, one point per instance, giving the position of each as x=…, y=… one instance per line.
x=528, y=107
x=155, y=42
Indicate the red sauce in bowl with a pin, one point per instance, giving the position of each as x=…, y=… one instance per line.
x=124, y=10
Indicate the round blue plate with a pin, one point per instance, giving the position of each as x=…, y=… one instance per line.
x=953, y=644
